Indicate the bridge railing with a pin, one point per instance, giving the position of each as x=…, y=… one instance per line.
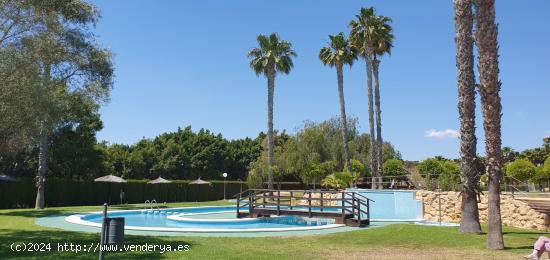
x=346, y=202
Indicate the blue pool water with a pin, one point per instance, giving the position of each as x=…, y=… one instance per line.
x=385, y=206
x=392, y=205
x=148, y=219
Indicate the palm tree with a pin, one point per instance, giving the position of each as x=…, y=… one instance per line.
x=362, y=36
x=489, y=88
x=272, y=56
x=336, y=54
x=469, y=221
x=382, y=45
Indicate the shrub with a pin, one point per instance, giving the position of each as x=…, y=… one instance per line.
x=450, y=178
x=394, y=167
x=521, y=169
x=430, y=169
x=541, y=176
x=332, y=182
x=257, y=175
x=338, y=180
x=357, y=168
x=440, y=172
x=315, y=172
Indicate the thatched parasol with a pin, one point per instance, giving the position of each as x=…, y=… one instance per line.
x=159, y=180
x=110, y=178
x=199, y=182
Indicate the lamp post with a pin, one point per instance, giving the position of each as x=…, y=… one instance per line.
x=224, y=180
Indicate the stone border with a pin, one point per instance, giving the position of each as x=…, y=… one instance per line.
x=514, y=212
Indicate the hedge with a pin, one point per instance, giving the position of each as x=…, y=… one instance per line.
x=62, y=192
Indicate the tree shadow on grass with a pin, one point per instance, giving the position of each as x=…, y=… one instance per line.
x=534, y=233
x=33, y=213
x=56, y=238
x=517, y=247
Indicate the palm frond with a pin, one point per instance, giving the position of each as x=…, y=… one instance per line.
x=371, y=30
x=272, y=54
x=338, y=51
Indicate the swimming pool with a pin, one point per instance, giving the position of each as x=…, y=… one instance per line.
x=203, y=219
x=387, y=206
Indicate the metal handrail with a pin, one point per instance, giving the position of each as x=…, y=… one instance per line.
x=514, y=186
x=155, y=204
x=359, y=194
x=360, y=202
x=240, y=193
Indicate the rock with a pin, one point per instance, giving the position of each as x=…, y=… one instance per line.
x=514, y=212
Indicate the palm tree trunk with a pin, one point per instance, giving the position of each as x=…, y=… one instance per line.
x=372, y=148
x=486, y=41
x=42, y=158
x=270, y=142
x=469, y=221
x=343, y=119
x=379, y=142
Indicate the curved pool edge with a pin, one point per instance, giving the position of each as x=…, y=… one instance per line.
x=397, y=220
x=234, y=220
x=58, y=222
x=77, y=219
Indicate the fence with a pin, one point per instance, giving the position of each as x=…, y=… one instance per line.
x=61, y=192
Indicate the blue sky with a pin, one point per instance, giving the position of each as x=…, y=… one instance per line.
x=180, y=63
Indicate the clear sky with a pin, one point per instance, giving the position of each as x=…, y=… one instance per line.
x=180, y=63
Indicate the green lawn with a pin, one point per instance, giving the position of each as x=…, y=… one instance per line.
x=391, y=242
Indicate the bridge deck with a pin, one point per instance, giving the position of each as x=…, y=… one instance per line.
x=349, y=209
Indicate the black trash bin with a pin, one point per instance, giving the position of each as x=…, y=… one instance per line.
x=115, y=231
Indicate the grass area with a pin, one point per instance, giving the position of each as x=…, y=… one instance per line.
x=391, y=242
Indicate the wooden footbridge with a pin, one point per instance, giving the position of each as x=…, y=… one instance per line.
x=541, y=205
x=349, y=208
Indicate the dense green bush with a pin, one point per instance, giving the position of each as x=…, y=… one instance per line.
x=440, y=173
x=450, y=178
x=358, y=169
x=338, y=180
x=61, y=192
x=541, y=176
x=521, y=169
x=257, y=175
x=394, y=167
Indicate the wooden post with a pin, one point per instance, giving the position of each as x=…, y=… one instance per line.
x=321, y=201
x=309, y=204
x=359, y=213
x=353, y=203
x=343, y=207
x=278, y=202
x=263, y=199
x=238, y=204
x=291, y=197
x=250, y=213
